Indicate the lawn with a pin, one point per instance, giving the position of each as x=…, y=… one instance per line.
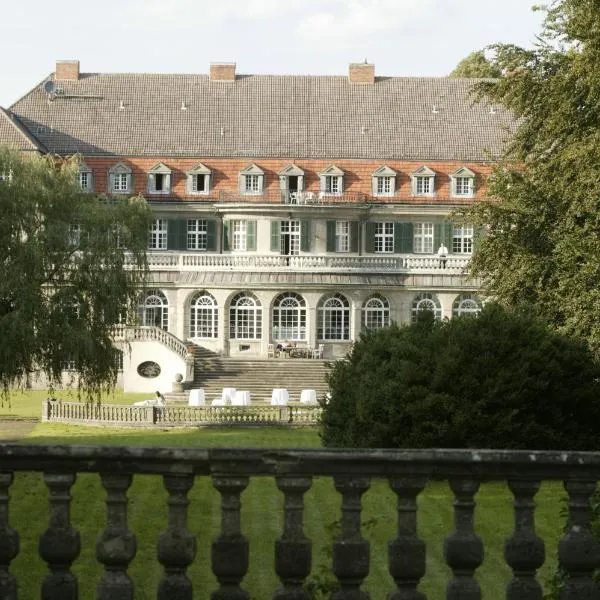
x=261, y=518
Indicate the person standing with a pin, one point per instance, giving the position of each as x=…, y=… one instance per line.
x=442, y=255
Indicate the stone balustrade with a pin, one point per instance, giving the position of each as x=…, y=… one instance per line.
x=178, y=416
x=151, y=334
x=352, y=471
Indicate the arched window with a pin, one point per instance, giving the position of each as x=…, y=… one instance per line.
x=376, y=313
x=334, y=318
x=245, y=317
x=154, y=310
x=204, y=316
x=426, y=301
x=289, y=317
x=466, y=304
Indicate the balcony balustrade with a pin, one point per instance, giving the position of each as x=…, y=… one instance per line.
x=293, y=470
x=403, y=263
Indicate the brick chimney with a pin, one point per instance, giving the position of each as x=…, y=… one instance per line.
x=361, y=73
x=222, y=71
x=67, y=69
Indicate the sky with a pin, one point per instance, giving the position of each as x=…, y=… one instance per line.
x=304, y=37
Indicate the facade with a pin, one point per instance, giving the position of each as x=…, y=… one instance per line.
x=299, y=208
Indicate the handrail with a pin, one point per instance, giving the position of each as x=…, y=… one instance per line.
x=147, y=333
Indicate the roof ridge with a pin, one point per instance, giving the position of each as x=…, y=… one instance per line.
x=22, y=130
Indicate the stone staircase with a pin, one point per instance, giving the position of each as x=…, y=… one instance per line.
x=259, y=376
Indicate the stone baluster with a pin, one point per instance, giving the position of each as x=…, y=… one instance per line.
x=60, y=543
x=230, y=550
x=9, y=542
x=177, y=546
x=524, y=550
x=350, y=550
x=116, y=545
x=578, y=550
x=293, y=549
x=406, y=554
x=463, y=549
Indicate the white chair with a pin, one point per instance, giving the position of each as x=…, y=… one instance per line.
x=241, y=398
x=308, y=397
x=197, y=397
x=293, y=198
x=318, y=351
x=271, y=351
x=309, y=197
x=279, y=397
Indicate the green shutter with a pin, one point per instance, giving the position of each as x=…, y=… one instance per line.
x=182, y=234
x=330, y=236
x=448, y=230
x=226, y=235
x=172, y=234
x=251, y=235
x=305, y=235
x=438, y=235
x=397, y=237
x=354, y=225
x=211, y=236
x=275, y=236
x=370, y=241
x=406, y=237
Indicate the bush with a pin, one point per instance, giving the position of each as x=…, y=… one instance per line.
x=502, y=380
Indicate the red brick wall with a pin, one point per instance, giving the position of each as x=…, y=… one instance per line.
x=361, y=73
x=67, y=69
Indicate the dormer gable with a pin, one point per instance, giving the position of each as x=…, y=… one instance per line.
x=463, y=172
x=252, y=169
x=385, y=171
x=199, y=179
x=199, y=169
x=384, y=181
x=120, y=168
x=291, y=170
x=423, y=171
x=160, y=168
x=332, y=170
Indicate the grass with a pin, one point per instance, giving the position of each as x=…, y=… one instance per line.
x=262, y=512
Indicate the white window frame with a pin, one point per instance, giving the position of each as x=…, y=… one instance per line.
x=245, y=318
x=426, y=301
x=166, y=183
x=158, y=235
x=154, y=310
x=463, y=183
x=239, y=236
x=333, y=316
x=204, y=317
x=253, y=184
x=121, y=183
x=384, y=237
x=384, y=185
x=466, y=304
x=332, y=185
x=342, y=236
x=462, y=239
x=197, y=234
x=195, y=188
x=289, y=318
x=423, y=234
x=85, y=180
x=376, y=313
x=423, y=185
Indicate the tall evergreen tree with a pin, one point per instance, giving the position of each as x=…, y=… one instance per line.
x=71, y=268
x=543, y=244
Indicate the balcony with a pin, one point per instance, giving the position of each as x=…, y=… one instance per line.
x=293, y=472
x=390, y=263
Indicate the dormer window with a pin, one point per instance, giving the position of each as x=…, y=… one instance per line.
x=384, y=182
x=423, y=182
x=85, y=177
x=291, y=181
x=120, y=180
x=463, y=183
x=159, y=179
x=252, y=180
x=332, y=181
x=199, y=179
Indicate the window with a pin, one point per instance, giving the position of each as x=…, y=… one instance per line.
x=384, y=237
x=333, y=316
x=197, y=234
x=239, y=231
x=462, y=239
x=423, y=238
x=154, y=310
x=252, y=180
x=376, y=313
x=158, y=235
x=384, y=182
x=423, y=182
x=463, y=183
x=332, y=180
x=204, y=316
x=199, y=179
x=245, y=318
x=85, y=180
x=120, y=181
x=426, y=301
x=466, y=304
x=342, y=236
x=289, y=318
x=290, y=237
x=159, y=179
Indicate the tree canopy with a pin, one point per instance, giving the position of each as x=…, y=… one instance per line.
x=500, y=380
x=476, y=65
x=543, y=245
x=72, y=265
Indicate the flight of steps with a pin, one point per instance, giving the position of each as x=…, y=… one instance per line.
x=259, y=376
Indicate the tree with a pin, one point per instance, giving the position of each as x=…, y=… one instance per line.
x=543, y=244
x=500, y=380
x=476, y=65
x=67, y=279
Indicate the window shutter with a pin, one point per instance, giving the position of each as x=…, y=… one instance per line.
x=111, y=183
x=406, y=237
x=130, y=183
x=438, y=235
x=305, y=235
x=211, y=236
x=90, y=185
x=341, y=184
x=393, y=185
x=182, y=234
x=397, y=237
x=478, y=235
x=242, y=182
x=283, y=183
x=448, y=229
x=275, y=236
x=471, y=186
x=226, y=235
x=251, y=235
x=172, y=234
x=300, y=183
x=354, y=236
x=330, y=236
x=261, y=183
x=167, y=183
x=151, y=182
x=374, y=185
x=413, y=185
x=189, y=184
x=431, y=186
x=207, y=182
x=322, y=182
x=370, y=241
